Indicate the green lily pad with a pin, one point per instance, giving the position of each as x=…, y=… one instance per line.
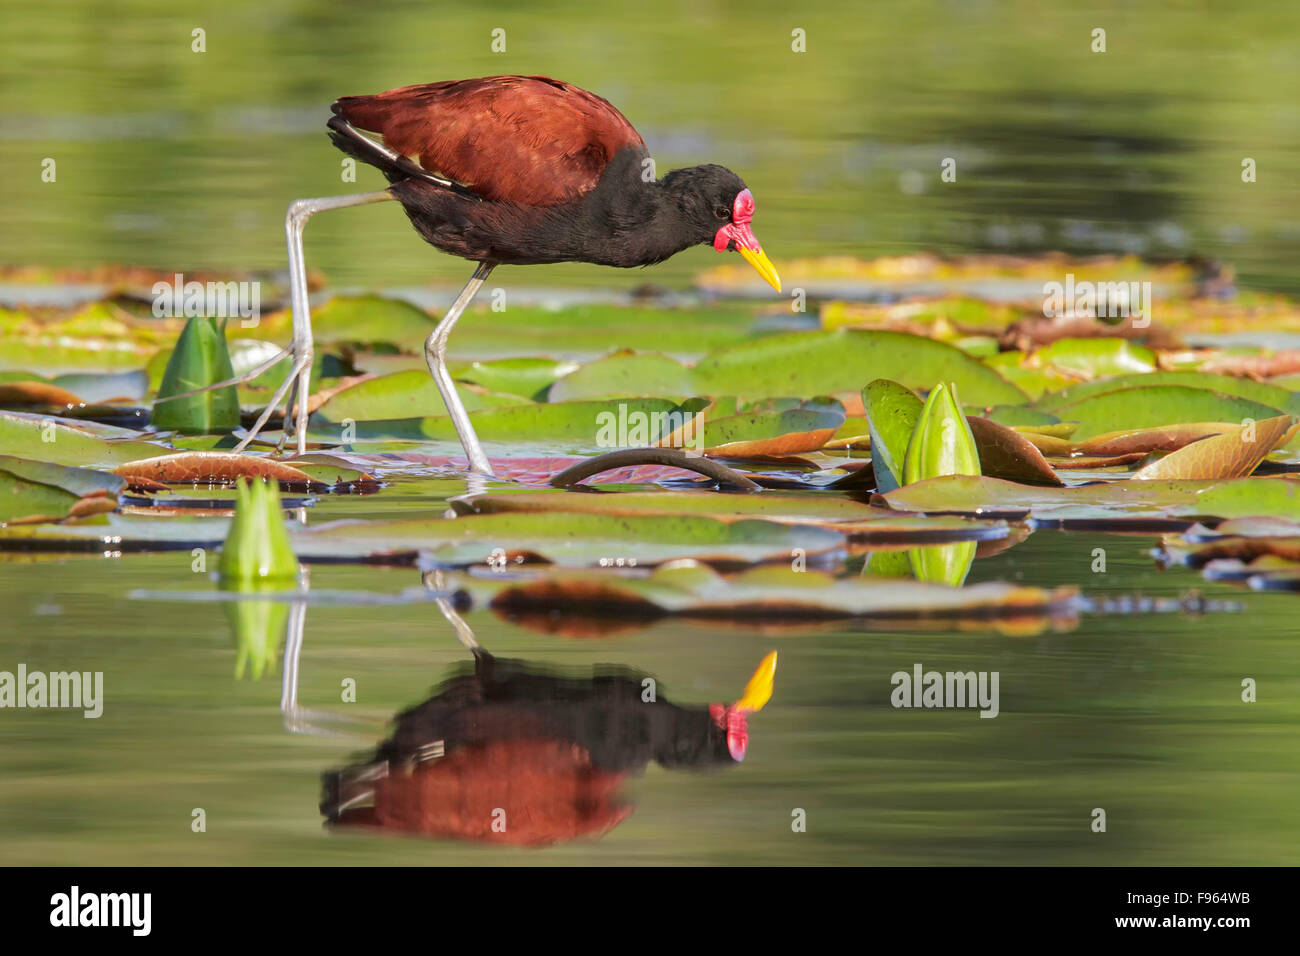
x=370, y=319
x=411, y=394
x=1270, y=395
x=1030, y=379
x=818, y=363
x=860, y=521
x=983, y=496
x=588, y=425
x=530, y=377
x=561, y=538
x=624, y=374
x=51, y=440
x=1155, y=405
x=77, y=481
x=1019, y=416
x=1098, y=356
x=791, y=431
x=21, y=498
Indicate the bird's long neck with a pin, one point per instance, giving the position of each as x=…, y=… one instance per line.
x=631, y=221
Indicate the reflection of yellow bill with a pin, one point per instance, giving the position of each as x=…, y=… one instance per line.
x=763, y=265
x=759, y=689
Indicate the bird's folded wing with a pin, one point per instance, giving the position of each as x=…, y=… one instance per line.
x=523, y=139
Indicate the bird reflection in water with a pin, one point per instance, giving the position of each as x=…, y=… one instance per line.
x=506, y=752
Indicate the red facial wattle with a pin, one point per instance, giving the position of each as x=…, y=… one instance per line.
x=738, y=231
x=738, y=236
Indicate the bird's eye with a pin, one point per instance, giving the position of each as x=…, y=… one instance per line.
x=722, y=212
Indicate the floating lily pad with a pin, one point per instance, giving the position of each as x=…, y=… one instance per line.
x=815, y=363
x=760, y=433
x=983, y=496
x=530, y=377
x=1270, y=395
x=588, y=425
x=1146, y=407
x=1232, y=455
x=1004, y=453
x=77, y=481
x=210, y=468
x=410, y=394
x=624, y=374
x=861, y=522
x=53, y=440
x=575, y=539
x=1098, y=356
x=23, y=500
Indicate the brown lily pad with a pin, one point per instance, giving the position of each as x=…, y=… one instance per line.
x=1234, y=454
x=36, y=393
x=1008, y=454
x=210, y=467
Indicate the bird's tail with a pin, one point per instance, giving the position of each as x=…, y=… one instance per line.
x=348, y=795
x=395, y=167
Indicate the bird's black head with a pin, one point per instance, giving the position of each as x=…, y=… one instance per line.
x=717, y=208
x=706, y=196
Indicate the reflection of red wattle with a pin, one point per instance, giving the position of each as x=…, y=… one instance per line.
x=737, y=727
x=737, y=736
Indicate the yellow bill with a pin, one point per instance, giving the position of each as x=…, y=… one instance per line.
x=759, y=689
x=763, y=265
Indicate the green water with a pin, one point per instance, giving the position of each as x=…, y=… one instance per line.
x=1140, y=715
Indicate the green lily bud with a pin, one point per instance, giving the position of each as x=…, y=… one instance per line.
x=257, y=552
x=199, y=359
x=942, y=443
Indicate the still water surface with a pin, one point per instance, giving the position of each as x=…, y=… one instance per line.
x=1137, y=714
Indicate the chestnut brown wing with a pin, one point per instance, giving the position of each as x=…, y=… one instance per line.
x=523, y=139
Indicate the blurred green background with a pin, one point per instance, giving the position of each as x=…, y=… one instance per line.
x=172, y=158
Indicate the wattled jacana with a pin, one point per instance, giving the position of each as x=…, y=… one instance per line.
x=514, y=170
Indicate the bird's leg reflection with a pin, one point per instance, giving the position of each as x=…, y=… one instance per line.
x=298, y=719
x=436, y=581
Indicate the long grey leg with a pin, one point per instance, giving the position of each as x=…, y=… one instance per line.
x=300, y=210
x=247, y=376
x=435, y=353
